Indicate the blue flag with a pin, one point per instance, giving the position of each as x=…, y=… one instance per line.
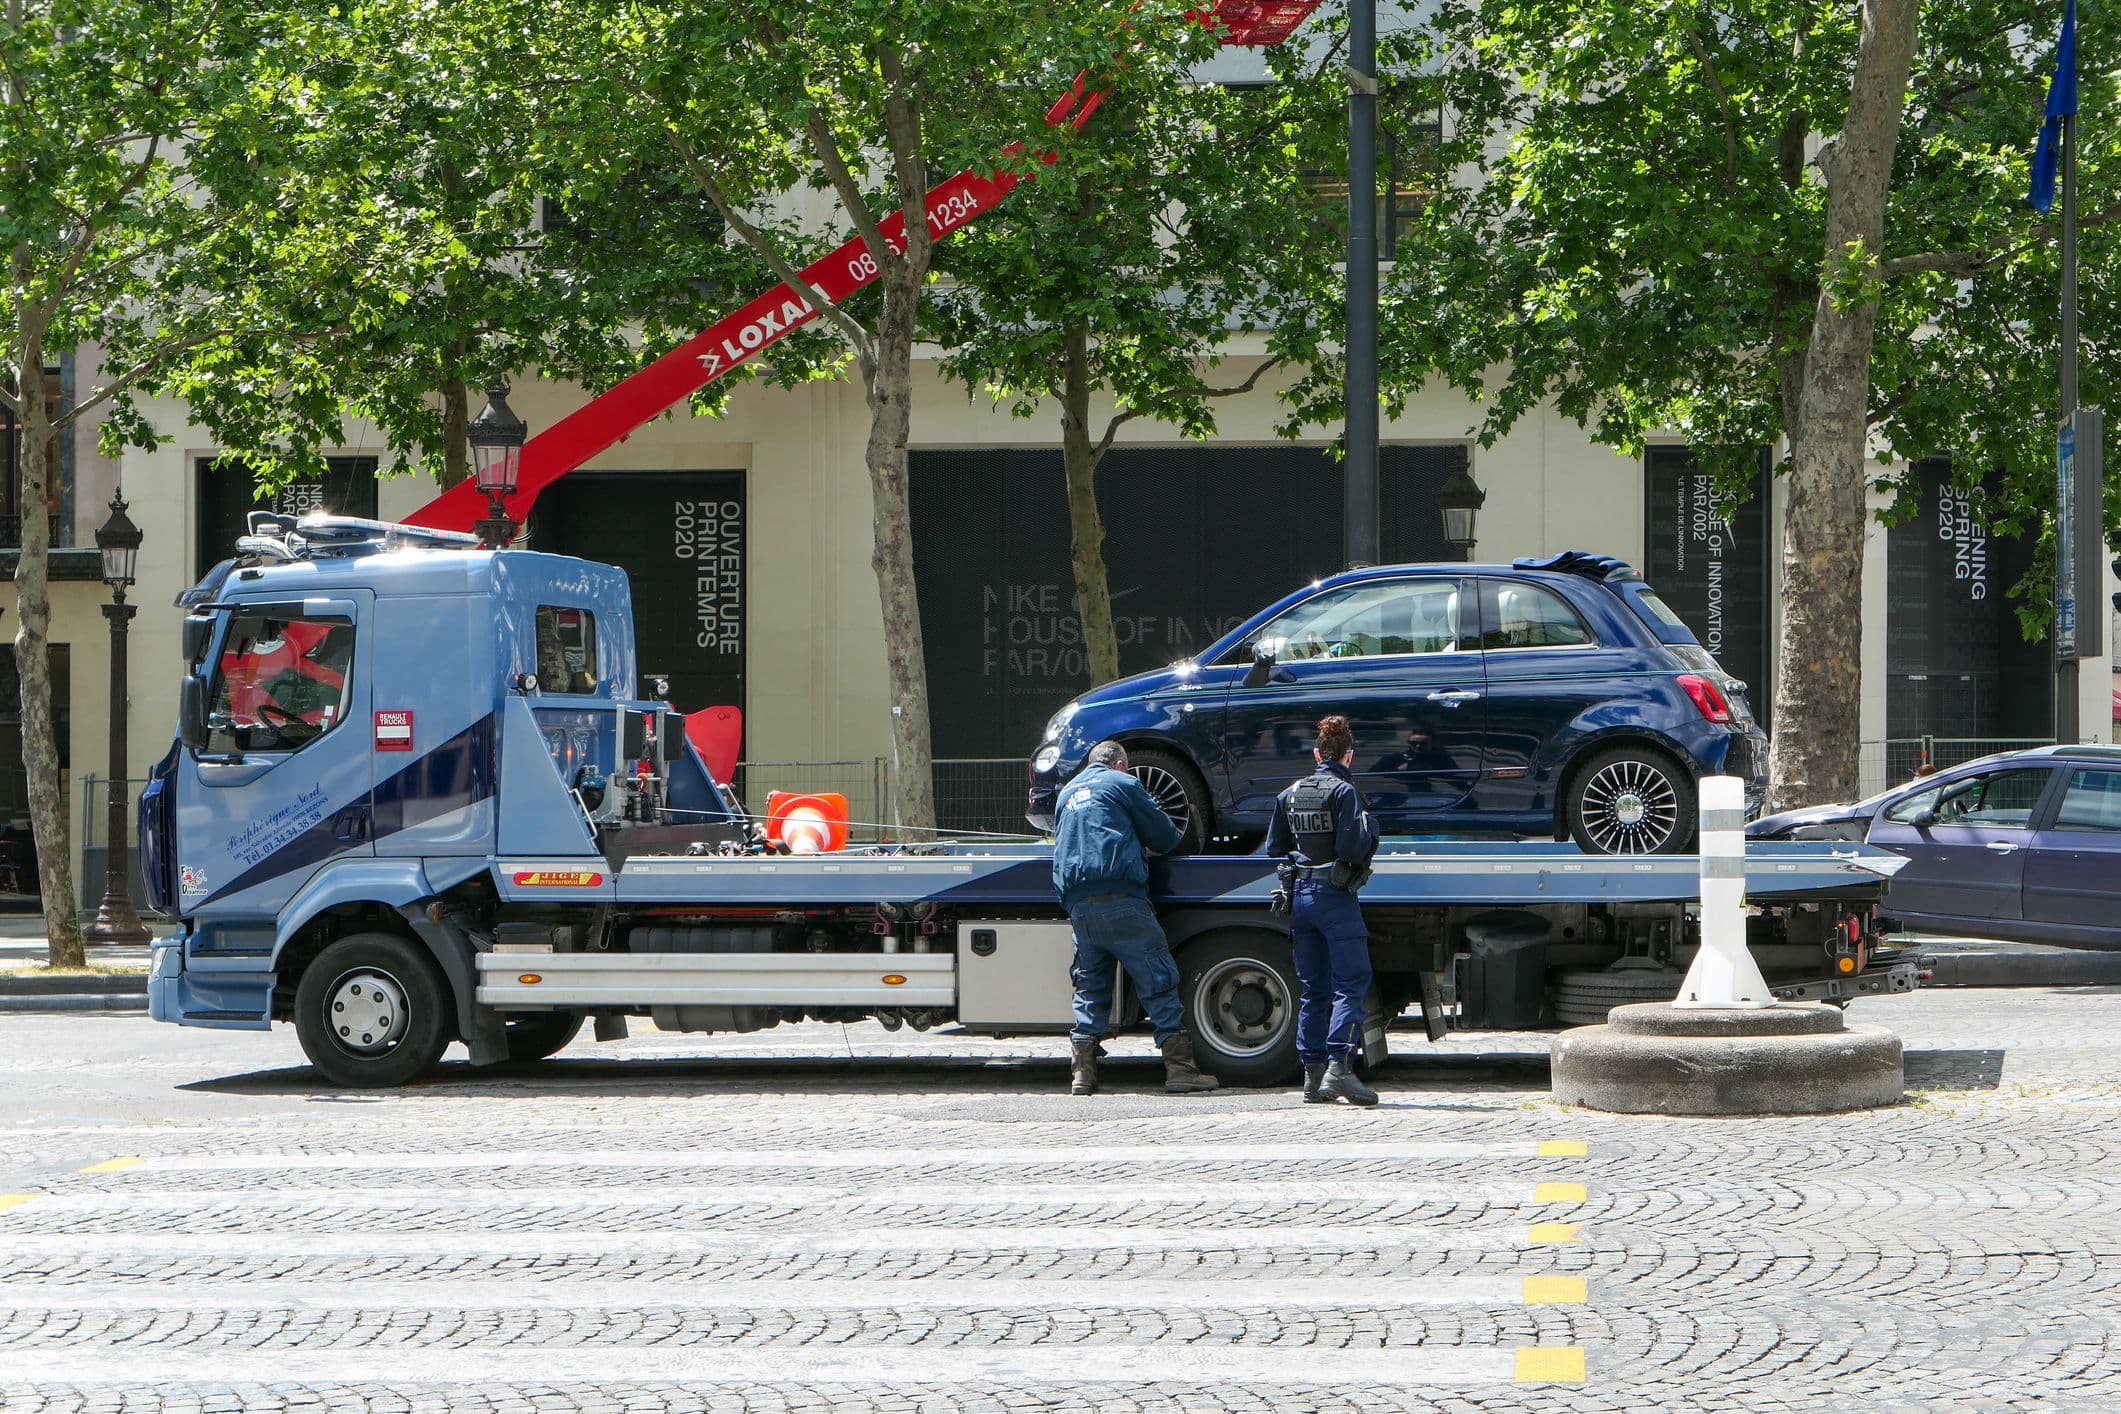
x=2061, y=103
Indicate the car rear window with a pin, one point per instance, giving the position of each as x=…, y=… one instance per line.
x=2092, y=802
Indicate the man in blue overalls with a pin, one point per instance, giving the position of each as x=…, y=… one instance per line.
x=1108, y=823
x=1325, y=839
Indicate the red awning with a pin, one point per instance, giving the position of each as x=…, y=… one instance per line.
x=1261, y=22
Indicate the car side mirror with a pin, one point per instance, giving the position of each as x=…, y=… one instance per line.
x=191, y=712
x=1262, y=665
x=1922, y=819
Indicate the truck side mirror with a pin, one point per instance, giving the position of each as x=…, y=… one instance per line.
x=198, y=633
x=1262, y=665
x=191, y=711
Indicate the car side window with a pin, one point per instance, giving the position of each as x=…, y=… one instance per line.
x=1996, y=800
x=280, y=683
x=2092, y=801
x=1398, y=616
x=1524, y=615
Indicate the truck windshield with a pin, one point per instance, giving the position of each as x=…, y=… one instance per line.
x=280, y=683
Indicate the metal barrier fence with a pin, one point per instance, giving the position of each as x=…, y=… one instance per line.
x=1895, y=760
x=982, y=793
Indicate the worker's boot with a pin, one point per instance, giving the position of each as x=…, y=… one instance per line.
x=1181, y=1076
x=1342, y=1083
x=1314, y=1078
x=1082, y=1069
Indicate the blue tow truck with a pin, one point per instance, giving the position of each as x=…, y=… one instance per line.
x=416, y=798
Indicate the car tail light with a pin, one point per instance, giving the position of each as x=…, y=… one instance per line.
x=1707, y=697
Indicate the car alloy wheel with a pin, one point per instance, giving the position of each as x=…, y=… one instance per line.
x=1629, y=807
x=1169, y=793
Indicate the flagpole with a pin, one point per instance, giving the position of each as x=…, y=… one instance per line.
x=2067, y=728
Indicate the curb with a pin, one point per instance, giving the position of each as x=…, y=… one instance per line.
x=2059, y=967
x=110, y=1003
x=30, y=984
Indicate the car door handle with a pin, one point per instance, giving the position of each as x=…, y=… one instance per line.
x=2002, y=847
x=1454, y=699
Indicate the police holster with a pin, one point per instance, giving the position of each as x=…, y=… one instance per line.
x=1282, y=904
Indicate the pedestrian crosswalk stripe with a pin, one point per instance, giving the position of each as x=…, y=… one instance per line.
x=109, y=1166
x=868, y=1365
x=823, y=1158
x=1563, y=1148
x=1555, y=1291
x=299, y=1241
x=1560, y=1193
x=1553, y=1232
x=1550, y=1364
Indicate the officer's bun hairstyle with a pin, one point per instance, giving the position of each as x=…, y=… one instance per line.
x=1335, y=739
x=1111, y=753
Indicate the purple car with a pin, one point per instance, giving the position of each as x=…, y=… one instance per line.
x=2024, y=846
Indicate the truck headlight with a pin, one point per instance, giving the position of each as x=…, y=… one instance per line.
x=1048, y=757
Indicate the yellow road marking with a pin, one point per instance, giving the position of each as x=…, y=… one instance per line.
x=1550, y=1364
x=1560, y=1193
x=1552, y=1232
x=1563, y=1148
x=14, y=1200
x=1555, y=1291
x=109, y=1166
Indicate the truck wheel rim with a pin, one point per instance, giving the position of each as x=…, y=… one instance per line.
x=366, y=1012
x=1630, y=807
x=1169, y=793
x=1242, y=1006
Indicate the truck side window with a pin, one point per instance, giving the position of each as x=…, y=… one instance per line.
x=280, y=683
x=567, y=649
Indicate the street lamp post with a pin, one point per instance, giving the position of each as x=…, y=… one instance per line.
x=115, y=921
x=496, y=437
x=1460, y=500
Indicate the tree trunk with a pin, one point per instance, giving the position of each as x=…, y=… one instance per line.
x=40, y=744
x=890, y=423
x=1080, y=456
x=1820, y=683
x=456, y=415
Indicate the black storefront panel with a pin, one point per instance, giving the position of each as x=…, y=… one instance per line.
x=227, y=496
x=1708, y=558
x=1197, y=539
x=680, y=536
x=1957, y=663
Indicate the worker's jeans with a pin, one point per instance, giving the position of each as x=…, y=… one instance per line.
x=1119, y=928
x=1333, y=963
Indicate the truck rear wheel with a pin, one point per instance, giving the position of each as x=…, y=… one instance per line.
x=373, y=1010
x=1240, y=993
x=536, y=1035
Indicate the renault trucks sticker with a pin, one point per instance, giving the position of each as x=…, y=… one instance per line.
x=394, y=729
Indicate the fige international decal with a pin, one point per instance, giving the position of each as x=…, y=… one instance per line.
x=558, y=878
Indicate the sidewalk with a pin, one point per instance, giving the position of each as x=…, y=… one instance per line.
x=26, y=987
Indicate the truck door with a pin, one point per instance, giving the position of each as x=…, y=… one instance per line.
x=283, y=782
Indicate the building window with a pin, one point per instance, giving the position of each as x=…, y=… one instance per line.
x=228, y=493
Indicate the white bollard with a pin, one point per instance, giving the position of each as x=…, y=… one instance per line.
x=1724, y=973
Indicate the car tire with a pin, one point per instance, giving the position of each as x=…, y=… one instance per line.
x=1630, y=800
x=536, y=1035
x=1240, y=993
x=1583, y=995
x=1177, y=788
x=373, y=1009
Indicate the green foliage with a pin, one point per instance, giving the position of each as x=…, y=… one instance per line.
x=1178, y=219
x=1637, y=231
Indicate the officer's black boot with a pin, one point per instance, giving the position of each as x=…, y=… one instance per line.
x=1342, y=1083
x=1181, y=1076
x=1314, y=1077
x=1082, y=1069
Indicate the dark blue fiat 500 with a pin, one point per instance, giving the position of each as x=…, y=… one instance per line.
x=1557, y=696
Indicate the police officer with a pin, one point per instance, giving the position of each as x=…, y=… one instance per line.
x=1108, y=823
x=1325, y=839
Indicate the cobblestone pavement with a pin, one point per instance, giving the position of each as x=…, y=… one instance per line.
x=823, y=1218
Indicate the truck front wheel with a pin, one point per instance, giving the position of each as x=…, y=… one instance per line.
x=1240, y=994
x=373, y=1010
